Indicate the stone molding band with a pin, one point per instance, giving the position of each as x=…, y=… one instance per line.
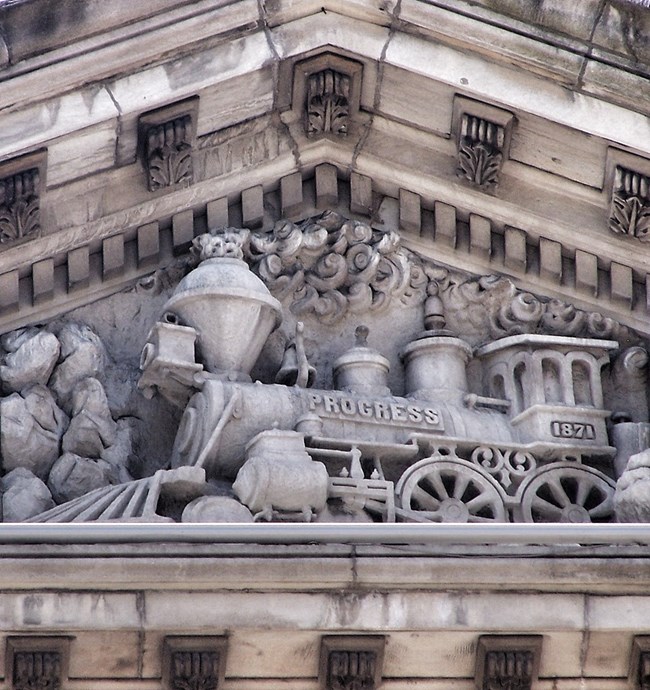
x=82, y=274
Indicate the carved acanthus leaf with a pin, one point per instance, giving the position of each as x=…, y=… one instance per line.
x=630, y=209
x=328, y=266
x=169, y=153
x=328, y=105
x=19, y=210
x=479, y=164
x=480, y=151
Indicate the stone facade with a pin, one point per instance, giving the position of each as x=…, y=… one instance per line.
x=284, y=287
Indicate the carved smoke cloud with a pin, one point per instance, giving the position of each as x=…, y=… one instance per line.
x=327, y=265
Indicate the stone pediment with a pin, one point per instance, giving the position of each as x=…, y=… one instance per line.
x=467, y=208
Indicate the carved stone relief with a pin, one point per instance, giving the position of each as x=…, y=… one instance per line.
x=478, y=402
x=328, y=103
x=325, y=96
x=194, y=663
x=483, y=139
x=351, y=662
x=38, y=663
x=167, y=136
x=630, y=208
x=21, y=182
x=507, y=663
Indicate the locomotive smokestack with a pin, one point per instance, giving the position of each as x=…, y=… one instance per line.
x=436, y=367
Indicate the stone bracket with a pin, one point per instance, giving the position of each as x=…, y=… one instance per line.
x=21, y=183
x=351, y=662
x=326, y=95
x=194, y=663
x=482, y=135
x=507, y=662
x=166, y=139
x=628, y=183
x=37, y=663
x=639, y=675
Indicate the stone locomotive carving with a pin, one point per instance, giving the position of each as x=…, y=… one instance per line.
x=502, y=424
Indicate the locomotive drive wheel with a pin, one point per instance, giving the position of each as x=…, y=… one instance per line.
x=567, y=493
x=436, y=490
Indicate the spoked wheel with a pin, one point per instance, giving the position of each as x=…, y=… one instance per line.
x=435, y=490
x=567, y=493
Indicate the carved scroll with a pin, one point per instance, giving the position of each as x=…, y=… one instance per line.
x=507, y=662
x=630, y=208
x=351, y=663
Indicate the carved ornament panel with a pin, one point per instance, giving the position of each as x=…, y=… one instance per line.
x=351, y=662
x=194, y=663
x=37, y=663
x=21, y=183
x=166, y=145
x=507, y=662
x=483, y=139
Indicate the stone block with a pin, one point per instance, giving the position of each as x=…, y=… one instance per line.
x=78, y=268
x=217, y=213
x=182, y=229
x=9, y=292
x=480, y=236
x=586, y=273
x=148, y=240
x=113, y=256
x=550, y=260
x=515, y=250
x=622, y=290
x=291, y=194
x=252, y=204
x=410, y=214
x=105, y=654
x=445, y=224
x=327, y=192
x=360, y=194
x=43, y=281
x=45, y=611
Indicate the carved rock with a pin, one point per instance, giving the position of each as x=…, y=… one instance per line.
x=31, y=431
x=632, y=497
x=73, y=476
x=24, y=495
x=92, y=428
x=32, y=362
x=120, y=453
x=216, y=509
x=84, y=357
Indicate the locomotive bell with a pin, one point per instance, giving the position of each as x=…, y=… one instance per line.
x=229, y=306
